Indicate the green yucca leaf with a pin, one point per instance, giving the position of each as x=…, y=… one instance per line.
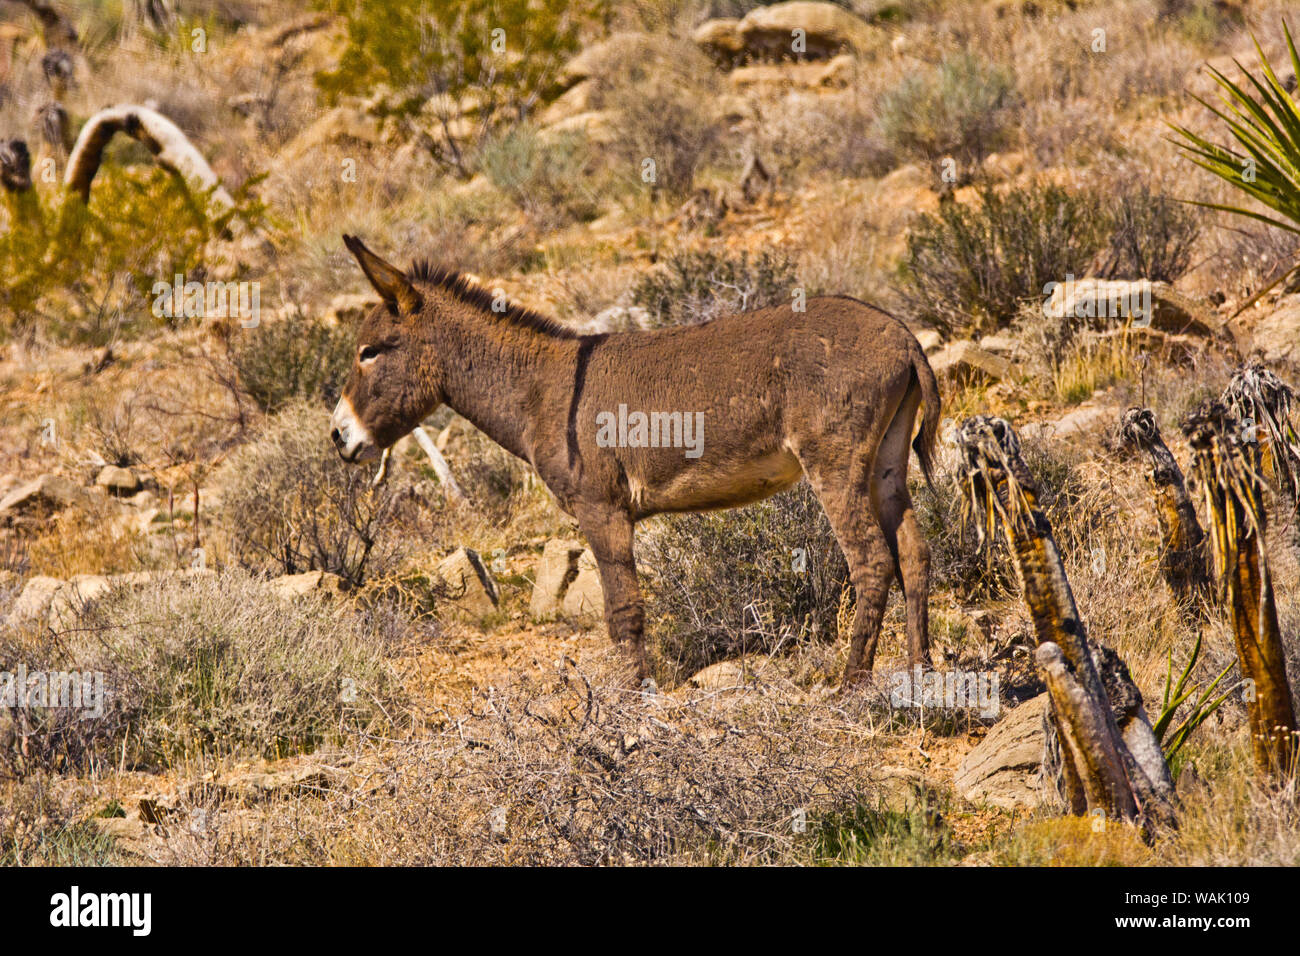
x=1264, y=120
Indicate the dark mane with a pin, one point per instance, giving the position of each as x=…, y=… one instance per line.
x=460, y=285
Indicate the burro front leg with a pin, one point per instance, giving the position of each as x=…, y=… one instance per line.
x=609, y=532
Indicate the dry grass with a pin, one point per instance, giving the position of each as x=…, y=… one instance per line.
x=467, y=723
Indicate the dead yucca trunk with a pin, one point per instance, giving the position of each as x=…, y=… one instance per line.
x=1182, y=554
x=1111, y=760
x=1261, y=403
x=1228, y=461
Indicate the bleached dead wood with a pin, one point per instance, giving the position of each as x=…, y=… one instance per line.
x=171, y=147
x=439, y=463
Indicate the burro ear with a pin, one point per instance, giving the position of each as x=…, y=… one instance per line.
x=390, y=282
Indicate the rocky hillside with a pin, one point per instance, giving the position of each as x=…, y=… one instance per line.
x=307, y=662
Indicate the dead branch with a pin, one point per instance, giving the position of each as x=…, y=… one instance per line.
x=440, y=466
x=163, y=138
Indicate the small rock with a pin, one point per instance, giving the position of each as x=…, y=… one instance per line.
x=470, y=587
x=556, y=570
x=121, y=482
x=584, y=598
x=1116, y=301
x=1276, y=337
x=965, y=358
x=735, y=674
x=291, y=586
x=1005, y=769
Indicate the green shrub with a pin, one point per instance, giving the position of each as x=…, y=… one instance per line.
x=959, y=109
x=1152, y=237
x=86, y=273
x=695, y=286
x=290, y=359
x=503, y=55
x=969, y=267
x=212, y=664
x=545, y=178
x=733, y=582
x=291, y=504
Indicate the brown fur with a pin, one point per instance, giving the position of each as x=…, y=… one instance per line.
x=831, y=393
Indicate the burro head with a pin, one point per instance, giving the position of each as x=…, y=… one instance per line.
x=393, y=385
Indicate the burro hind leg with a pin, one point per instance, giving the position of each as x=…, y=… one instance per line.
x=843, y=490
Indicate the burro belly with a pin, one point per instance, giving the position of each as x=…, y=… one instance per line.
x=704, y=484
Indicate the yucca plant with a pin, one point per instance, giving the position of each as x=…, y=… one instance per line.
x=1268, y=130
x=1178, y=694
x=1266, y=127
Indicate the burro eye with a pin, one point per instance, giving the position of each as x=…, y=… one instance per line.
x=369, y=352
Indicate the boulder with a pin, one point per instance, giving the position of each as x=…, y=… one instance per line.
x=78, y=592
x=827, y=30
x=1006, y=768
x=721, y=39
x=610, y=54
x=470, y=588
x=1101, y=301
x=1000, y=344
x=556, y=570
x=1276, y=337
x=577, y=99
x=596, y=126
x=44, y=494
x=966, y=359
x=120, y=482
x=931, y=340
x=584, y=598
x=35, y=600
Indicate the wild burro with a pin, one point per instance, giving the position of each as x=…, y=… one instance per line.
x=626, y=425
